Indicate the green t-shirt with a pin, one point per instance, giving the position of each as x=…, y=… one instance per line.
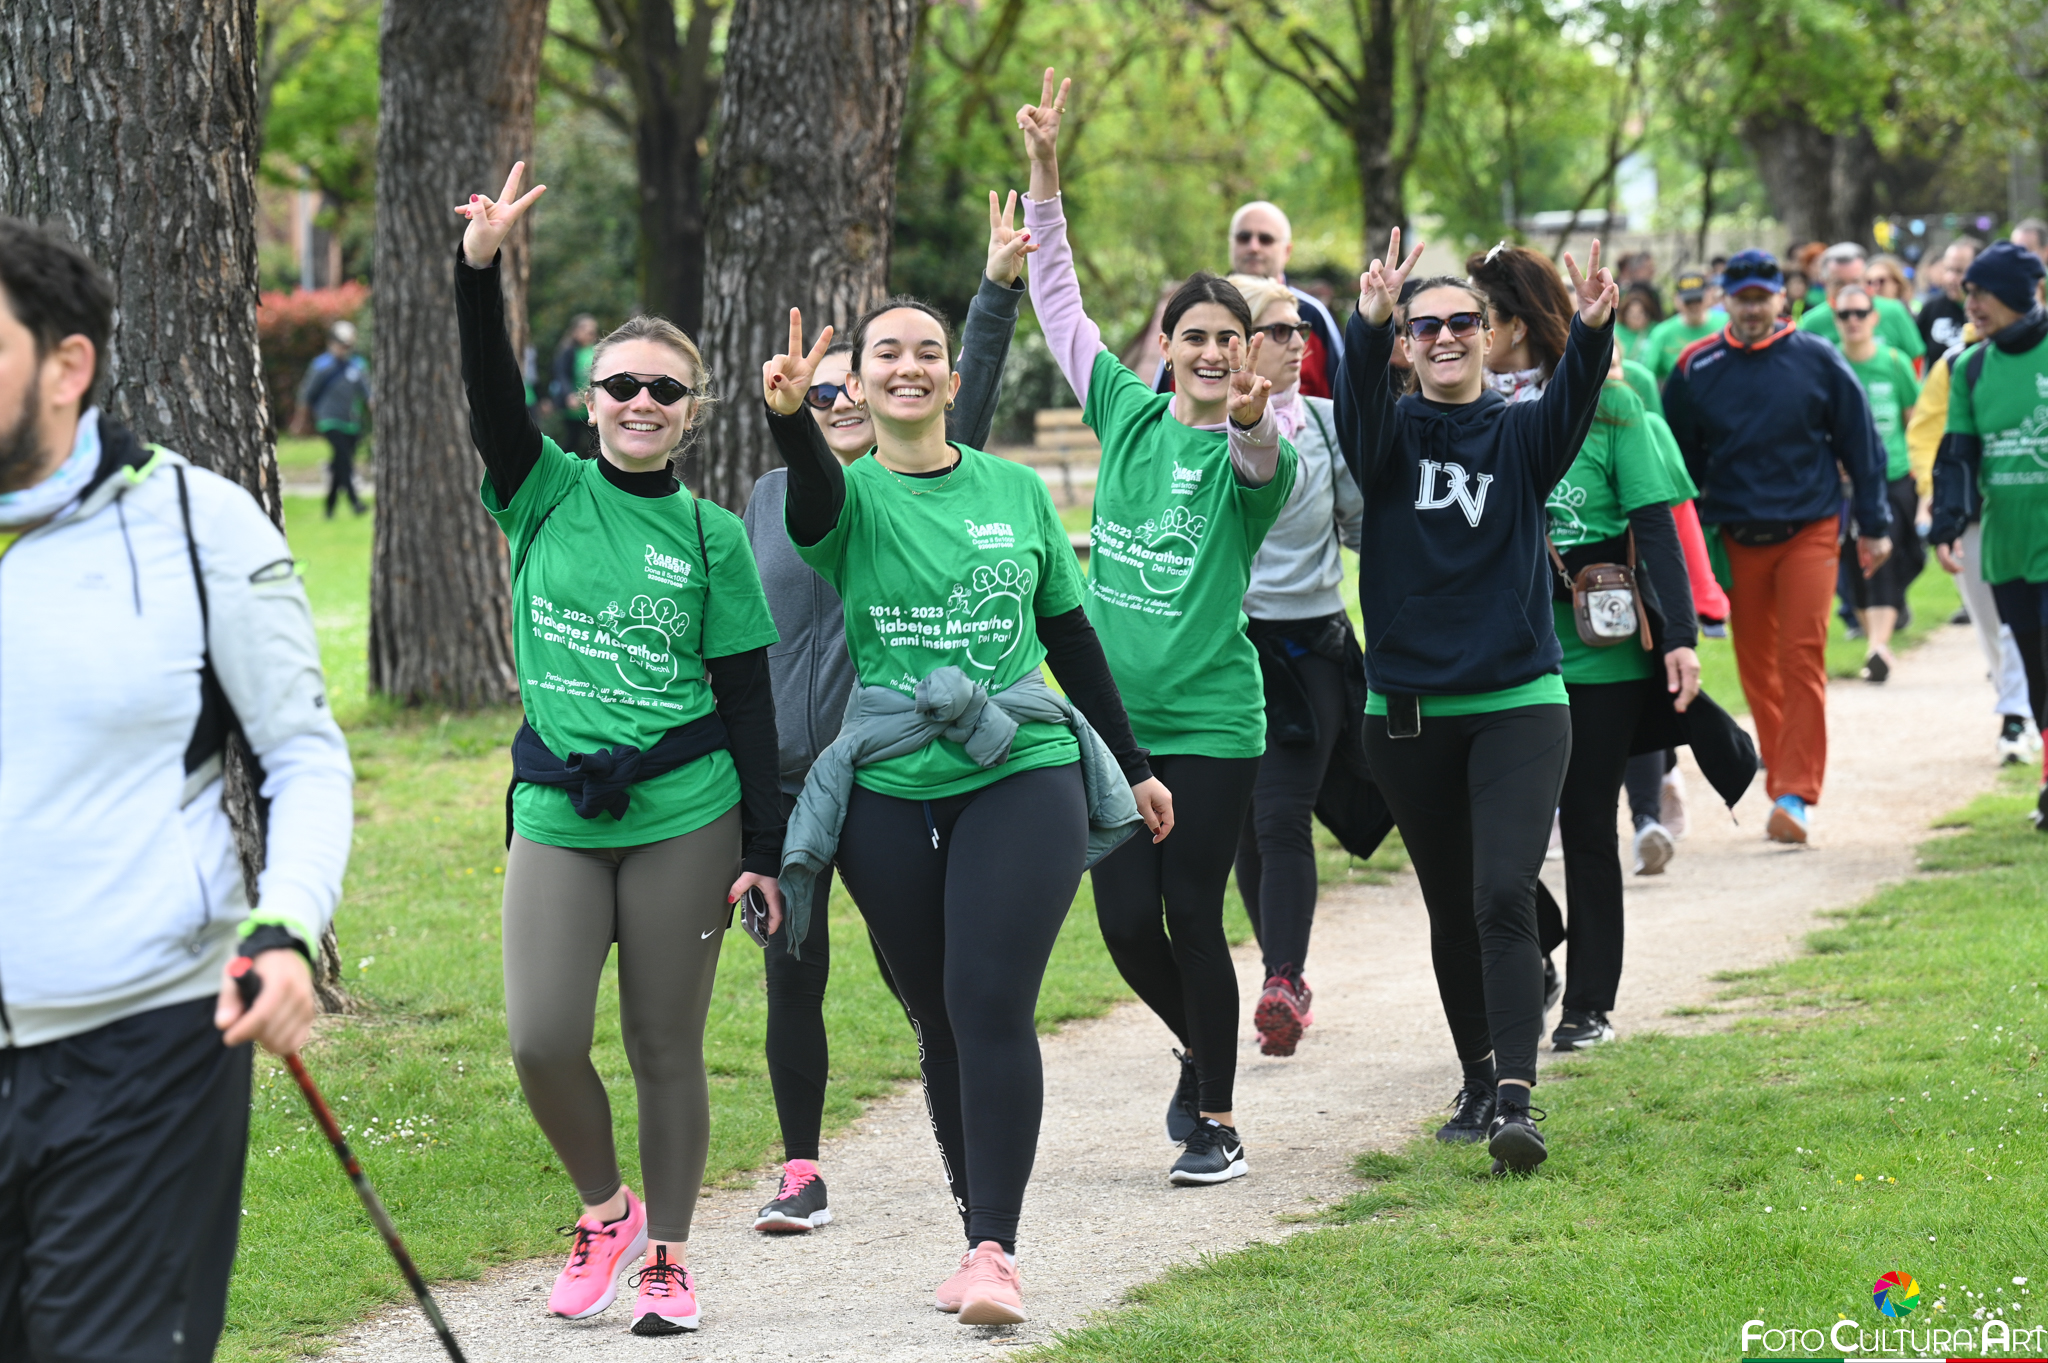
x=1644, y=384
x=1674, y=459
x=2008, y=410
x=950, y=571
x=1617, y=471
x=610, y=635
x=1887, y=379
x=1170, y=555
x=1626, y=339
x=1661, y=348
x=1895, y=326
x=1547, y=689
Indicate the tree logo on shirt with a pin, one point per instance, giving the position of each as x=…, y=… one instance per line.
x=986, y=613
x=648, y=664
x=1457, y=489
x=1166, y=547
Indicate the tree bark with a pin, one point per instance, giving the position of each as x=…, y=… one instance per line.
x=457, y=110
x=803, y=195
x=133, y=129
x=674, y=93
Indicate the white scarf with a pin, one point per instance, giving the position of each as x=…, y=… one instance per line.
x=1522, y=385
x=41, y=501
x=1288, y=409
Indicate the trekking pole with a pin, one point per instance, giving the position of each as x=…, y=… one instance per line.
x=250, y=984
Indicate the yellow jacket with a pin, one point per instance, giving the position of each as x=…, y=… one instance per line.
x=1930, y=417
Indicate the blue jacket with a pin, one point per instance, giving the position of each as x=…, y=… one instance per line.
x=1762, y=427
x=1455, y=582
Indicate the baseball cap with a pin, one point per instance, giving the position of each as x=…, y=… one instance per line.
x=344, y=331
x=1752, y=269
x=1692, y=285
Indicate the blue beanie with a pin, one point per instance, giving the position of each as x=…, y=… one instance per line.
x=2008, y=273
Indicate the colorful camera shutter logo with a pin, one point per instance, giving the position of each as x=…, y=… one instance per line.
x=1896, y=1294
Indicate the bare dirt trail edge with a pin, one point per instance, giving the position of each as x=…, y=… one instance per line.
x=1374, y=1070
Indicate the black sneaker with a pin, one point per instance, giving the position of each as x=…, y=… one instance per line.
x=1212, y=1153
x=1876, y=669
x=1553, y=984
x=1576, y=1031
x=1471, y=1110
x=1513, y=1140
x=800, y=1206
x=1184, y=1113
x=2040, y=814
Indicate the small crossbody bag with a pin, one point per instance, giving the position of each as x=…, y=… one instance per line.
x=1607, y=605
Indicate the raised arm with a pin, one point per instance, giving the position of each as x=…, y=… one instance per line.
x=991, y=322
x=817, y=483
x=1563, y=416
x=1364, y=385
x=1055, y=289
x=499, y=424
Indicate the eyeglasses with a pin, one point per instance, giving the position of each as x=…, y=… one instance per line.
x=1280, y=333
x=1463, y=325
x=825, y=396
x=1246, y=238
x=663, y=389
x=1853, y=314
x=1749, y=269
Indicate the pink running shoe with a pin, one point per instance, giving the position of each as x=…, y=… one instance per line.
x=992, y=1293
x=1282, y=1015
x=590, y=1280
x=947, y=1297
x=668, y=1297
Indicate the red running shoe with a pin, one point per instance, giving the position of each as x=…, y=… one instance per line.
x=1283, y=1015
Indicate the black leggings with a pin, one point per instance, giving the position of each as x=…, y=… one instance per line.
x=2023, y=606
x=967, y=928
x=1276, y=851
x=1644, y=780
x=1502, y=773
x=1603, y=721
x=799, y=1062
x=1161, y=910
x=341, y=469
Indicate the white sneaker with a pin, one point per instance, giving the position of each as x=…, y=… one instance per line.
x=1671, y=804
x=1653, y=849
x=1556, y=852
x=2019, y=742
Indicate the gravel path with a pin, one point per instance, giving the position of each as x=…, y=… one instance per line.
x=1374, y=1070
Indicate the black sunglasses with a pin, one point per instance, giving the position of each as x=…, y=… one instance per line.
x=664, y=390
x=1853, y=314
x=1749, y=270
x=1246, y=238
x=1462, y=324
x=824, y=396
x=1280, y=333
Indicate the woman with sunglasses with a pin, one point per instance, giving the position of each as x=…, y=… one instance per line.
x=961, y=798
x=1311, y=666
x=1468, y=725
x=1889, y=382
x=644, y=797
x=813, y=675
x=1613, y=505
x=1190, y=482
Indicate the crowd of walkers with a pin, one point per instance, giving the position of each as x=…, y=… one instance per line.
x=1554, y=490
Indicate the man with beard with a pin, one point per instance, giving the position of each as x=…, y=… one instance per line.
x=148, y=609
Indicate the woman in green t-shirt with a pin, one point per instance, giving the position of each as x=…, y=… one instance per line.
x=1613, y=505
x=1890, y=385
x=1190, y=481
x=644, y=795
x=961, y=847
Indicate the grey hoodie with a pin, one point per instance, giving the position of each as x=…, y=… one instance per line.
x=810, y=669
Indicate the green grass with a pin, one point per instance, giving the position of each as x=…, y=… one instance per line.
x=421, y=1072
x=303, y=458
x=1879, y=1105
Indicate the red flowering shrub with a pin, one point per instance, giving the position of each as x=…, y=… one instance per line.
x=291, y=328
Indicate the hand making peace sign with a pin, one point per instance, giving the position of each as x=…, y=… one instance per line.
x=491, y=220
x=1007, y=247
x=786, y=378
x=1595, y=292
x=1379, y=288
x=1248, y=390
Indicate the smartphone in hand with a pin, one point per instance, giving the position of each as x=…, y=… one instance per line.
x=754, y=915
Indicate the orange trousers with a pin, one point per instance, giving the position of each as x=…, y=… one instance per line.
x=1778, y=613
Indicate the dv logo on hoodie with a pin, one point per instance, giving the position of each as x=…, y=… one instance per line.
x=1457, y=489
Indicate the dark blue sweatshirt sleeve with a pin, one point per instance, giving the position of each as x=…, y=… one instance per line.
x=1365, y=398
x=984, y=348
x=1956, y=464
x=1556, y=424
x=1683, y=417
x=1853, y=434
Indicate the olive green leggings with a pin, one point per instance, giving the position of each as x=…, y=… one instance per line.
x=664, y=904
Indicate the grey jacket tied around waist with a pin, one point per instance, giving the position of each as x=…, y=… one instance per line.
x=882, y=723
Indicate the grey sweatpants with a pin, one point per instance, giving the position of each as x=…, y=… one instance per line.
x=664, y=904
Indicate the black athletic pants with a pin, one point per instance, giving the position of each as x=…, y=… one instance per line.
x=1276, y=851
x=967, y=926
x=1161, y=910
x=1644, y=780
x=1500, y=774
x=121, y=1153
x=799, y=1061
x=1603, y=721
x=2023, y=606
x=341, y=469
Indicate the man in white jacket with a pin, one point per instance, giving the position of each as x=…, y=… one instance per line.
x=147, y=608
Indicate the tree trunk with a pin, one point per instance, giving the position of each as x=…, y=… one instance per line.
x=457, y=98
x=133, y=129
x=1380, y=172
x=1795, y=160
x=803, y=194
x=673, y=92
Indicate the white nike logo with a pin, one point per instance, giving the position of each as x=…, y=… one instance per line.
x=703, y=936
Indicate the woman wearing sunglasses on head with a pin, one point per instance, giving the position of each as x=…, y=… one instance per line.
x=644, y=797
x=1468, y=728
x=1309, y=657
x=813, y=675
x=961, y=798
x=1612, y=506
x=1189, y=484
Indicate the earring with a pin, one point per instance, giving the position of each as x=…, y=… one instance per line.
x=949, y=404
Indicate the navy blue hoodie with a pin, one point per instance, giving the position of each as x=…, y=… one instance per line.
x=1456, y=597
x=1762, y=426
